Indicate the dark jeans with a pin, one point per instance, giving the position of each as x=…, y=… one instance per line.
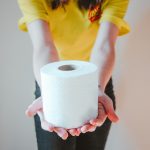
x=88, y=141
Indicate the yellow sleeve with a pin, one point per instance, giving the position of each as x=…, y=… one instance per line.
x=31, y=10
x=114, y=11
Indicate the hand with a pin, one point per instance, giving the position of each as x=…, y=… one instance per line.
x=37, y=108
x=105, y=109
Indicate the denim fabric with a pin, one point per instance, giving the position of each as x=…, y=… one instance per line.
x=88, y=141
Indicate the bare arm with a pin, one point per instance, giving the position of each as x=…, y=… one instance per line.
x=103, y=53
x=44, y=50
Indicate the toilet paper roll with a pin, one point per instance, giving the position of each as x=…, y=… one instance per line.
x=70, y=93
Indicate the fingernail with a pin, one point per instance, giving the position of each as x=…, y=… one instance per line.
x=64, y=137
x=83, y=130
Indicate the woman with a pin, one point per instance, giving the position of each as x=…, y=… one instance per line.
x=74, y=30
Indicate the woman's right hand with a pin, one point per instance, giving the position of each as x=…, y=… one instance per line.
x=37, y=108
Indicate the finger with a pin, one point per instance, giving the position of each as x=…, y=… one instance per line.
x=44, y=124
x=101, y=116
x=61, y=132
x=47, y=126
x=73, y=132
x=86, y=128
x=34, y=107
x=93, y=128
x=99, y=120
x=108, y=106
x=78, y=131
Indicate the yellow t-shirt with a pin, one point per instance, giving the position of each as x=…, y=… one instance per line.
x=72, y=31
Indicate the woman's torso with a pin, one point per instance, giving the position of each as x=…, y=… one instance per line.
x=73, y=33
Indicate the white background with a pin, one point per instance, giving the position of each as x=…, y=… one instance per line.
x=131, y=82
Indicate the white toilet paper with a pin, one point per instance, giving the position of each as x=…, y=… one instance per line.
x=70, y=92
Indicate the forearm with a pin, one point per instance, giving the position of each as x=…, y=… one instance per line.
x=44, y=50
x=104, y=60
x=103, y=52
x=41, y=57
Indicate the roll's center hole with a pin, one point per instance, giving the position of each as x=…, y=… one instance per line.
x=67, y=67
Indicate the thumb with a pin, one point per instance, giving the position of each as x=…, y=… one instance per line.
x=108, y=106
x=34, y=107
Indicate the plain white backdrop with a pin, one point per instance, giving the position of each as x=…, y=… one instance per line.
x=131, y=78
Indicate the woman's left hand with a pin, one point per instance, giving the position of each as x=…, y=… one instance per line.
x=105, y=109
